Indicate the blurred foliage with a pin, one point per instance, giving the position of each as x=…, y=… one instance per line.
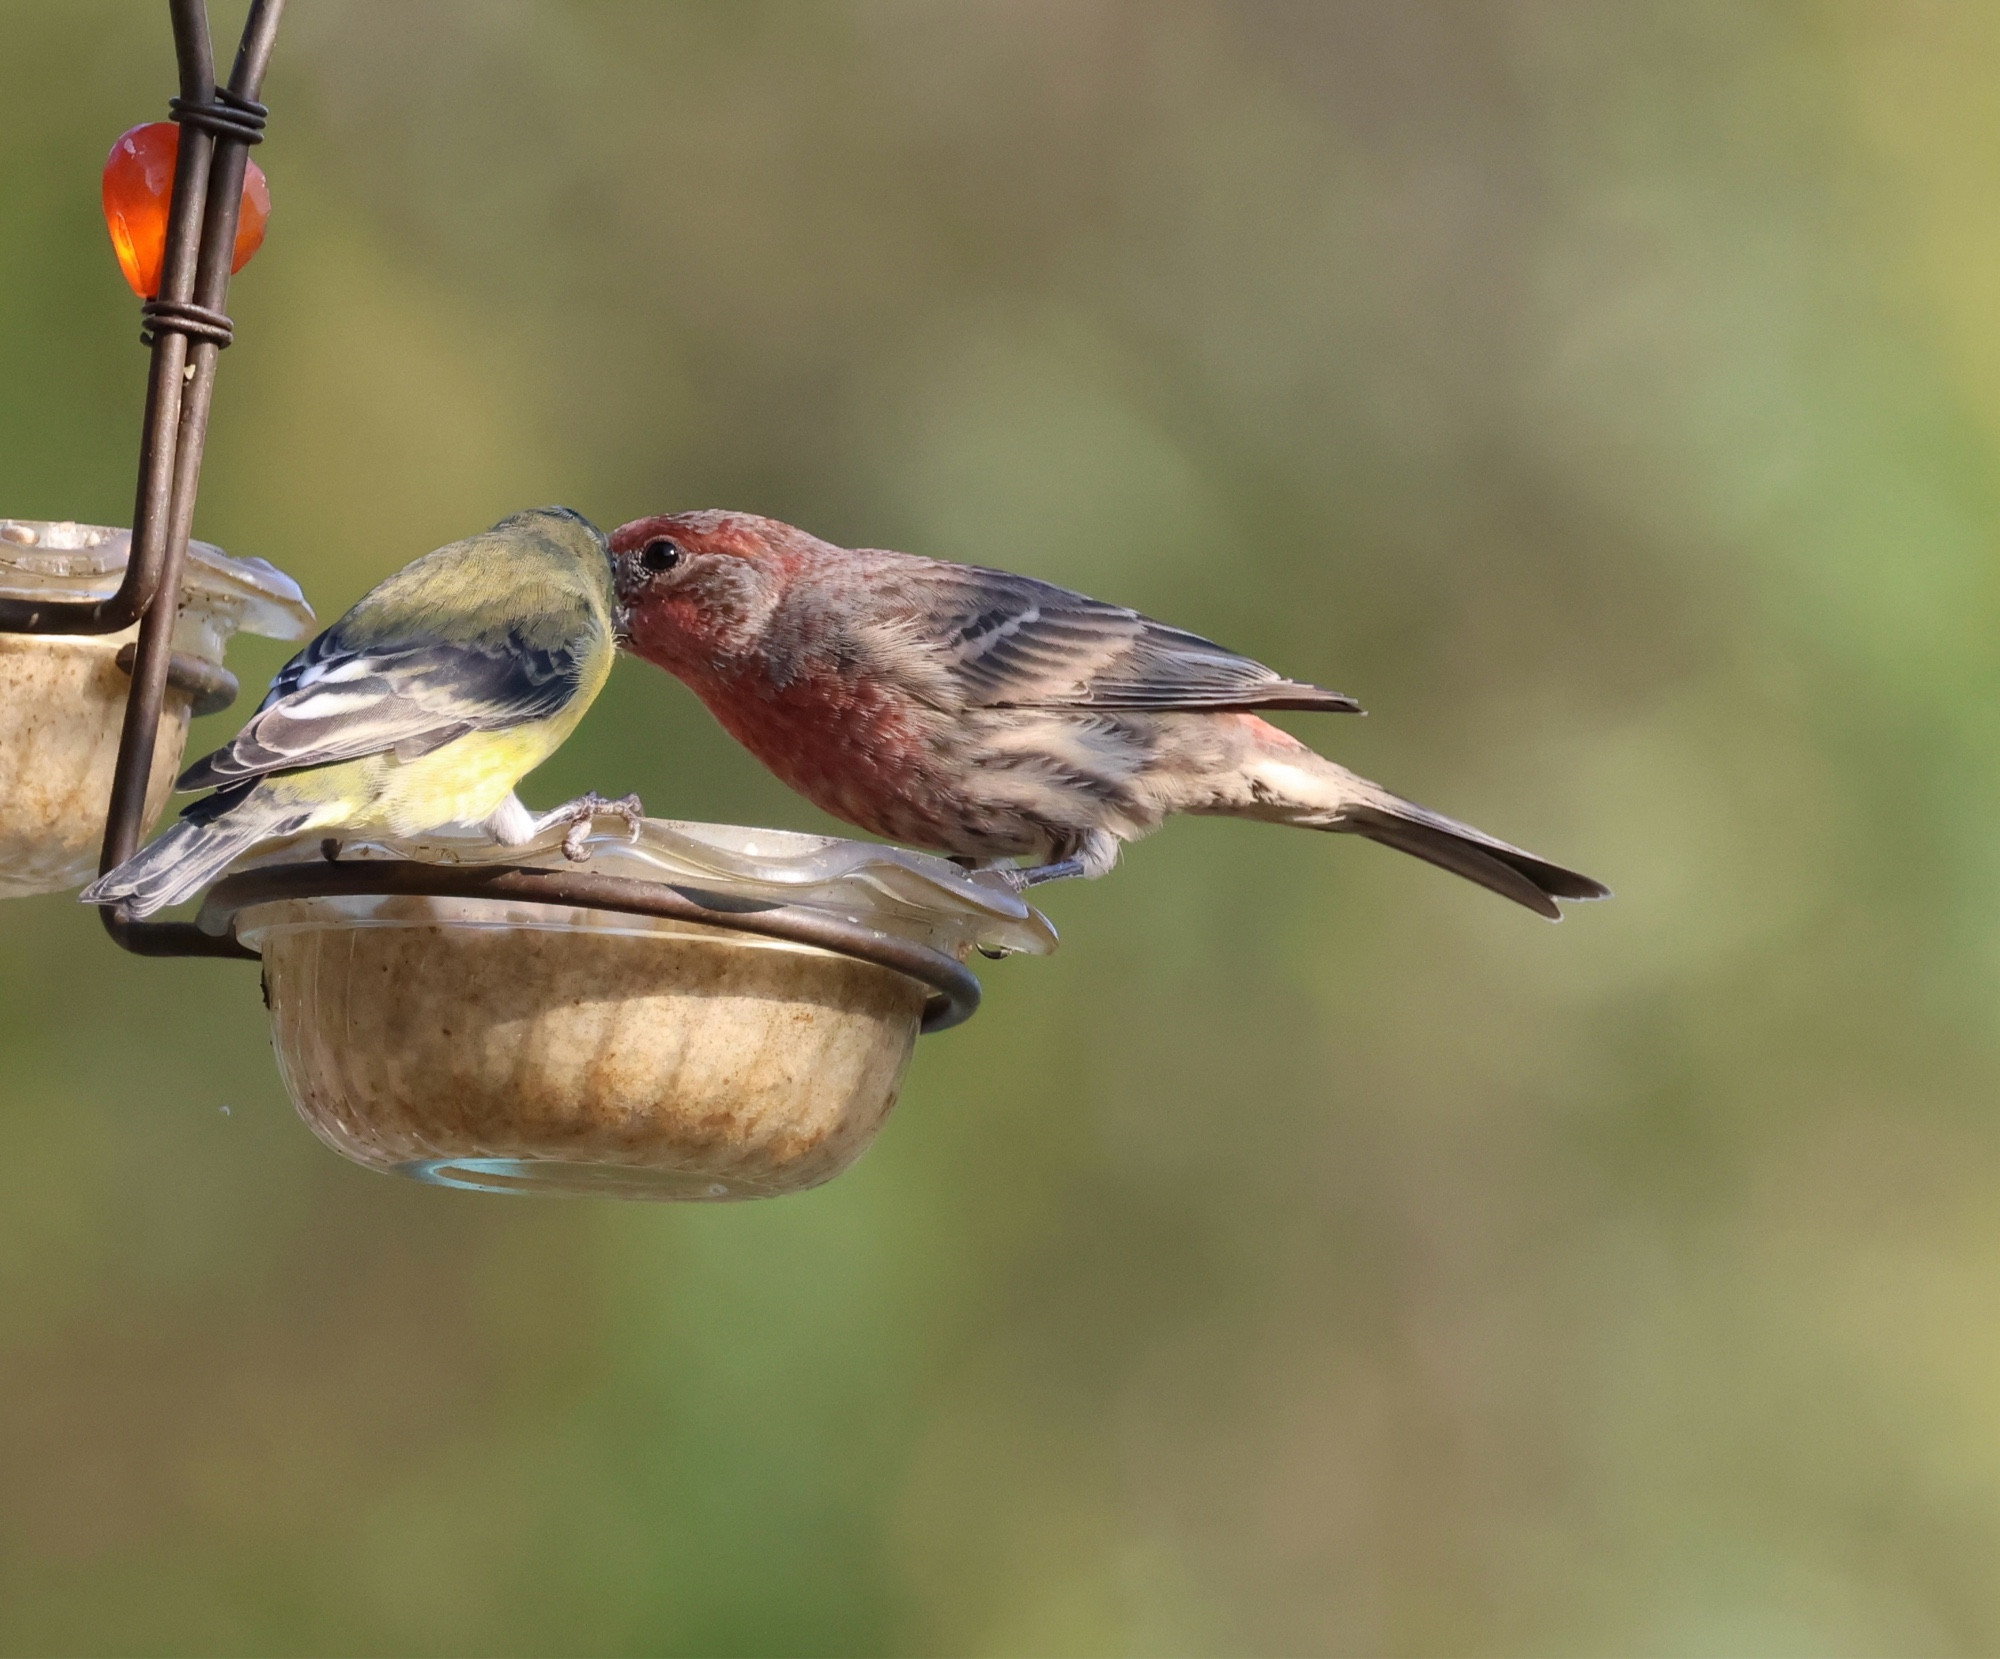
x=1317, y=1255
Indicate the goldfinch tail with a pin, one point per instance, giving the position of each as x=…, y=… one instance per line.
x=195, y=851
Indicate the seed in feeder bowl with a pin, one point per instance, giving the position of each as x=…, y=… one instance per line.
x=139, y=188
x=518, y=1046
x=62, y=696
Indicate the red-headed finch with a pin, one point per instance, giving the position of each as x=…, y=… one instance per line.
x=991, y=716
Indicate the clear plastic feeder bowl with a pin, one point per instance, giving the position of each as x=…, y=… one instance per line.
x=62, y=696
x=510, y=1045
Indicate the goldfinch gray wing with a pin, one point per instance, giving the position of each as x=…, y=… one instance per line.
x=331, y=704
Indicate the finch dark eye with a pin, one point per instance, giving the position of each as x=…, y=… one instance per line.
x=659, y=554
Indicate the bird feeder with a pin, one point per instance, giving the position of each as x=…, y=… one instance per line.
x=701, y=1012
x=706, y=1013
x=62, y=696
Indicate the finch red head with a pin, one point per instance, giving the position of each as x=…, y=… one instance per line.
x=994, y=717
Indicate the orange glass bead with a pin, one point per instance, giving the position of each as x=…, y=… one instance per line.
x=138, y=189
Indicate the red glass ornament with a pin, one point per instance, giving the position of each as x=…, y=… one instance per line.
x=138, y=189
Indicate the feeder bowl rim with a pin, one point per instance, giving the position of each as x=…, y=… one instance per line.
x=70, y=561
x=954, y=989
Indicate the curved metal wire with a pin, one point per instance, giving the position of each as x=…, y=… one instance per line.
x=229, y=115
x=187, y=326
x=197, y=322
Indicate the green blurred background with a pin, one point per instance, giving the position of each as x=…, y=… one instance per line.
x=1317, y=1255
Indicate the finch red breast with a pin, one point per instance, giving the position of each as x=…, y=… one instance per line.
x=992, y=717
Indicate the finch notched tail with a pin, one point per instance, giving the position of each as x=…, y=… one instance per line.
x=1296, y=786
x=194, y=852
x=1464, y=851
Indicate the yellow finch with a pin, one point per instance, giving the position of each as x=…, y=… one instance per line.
x=422, y=707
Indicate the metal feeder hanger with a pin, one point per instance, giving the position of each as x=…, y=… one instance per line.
x=186, y=327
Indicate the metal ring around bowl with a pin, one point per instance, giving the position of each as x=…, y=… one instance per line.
x=955, y=990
